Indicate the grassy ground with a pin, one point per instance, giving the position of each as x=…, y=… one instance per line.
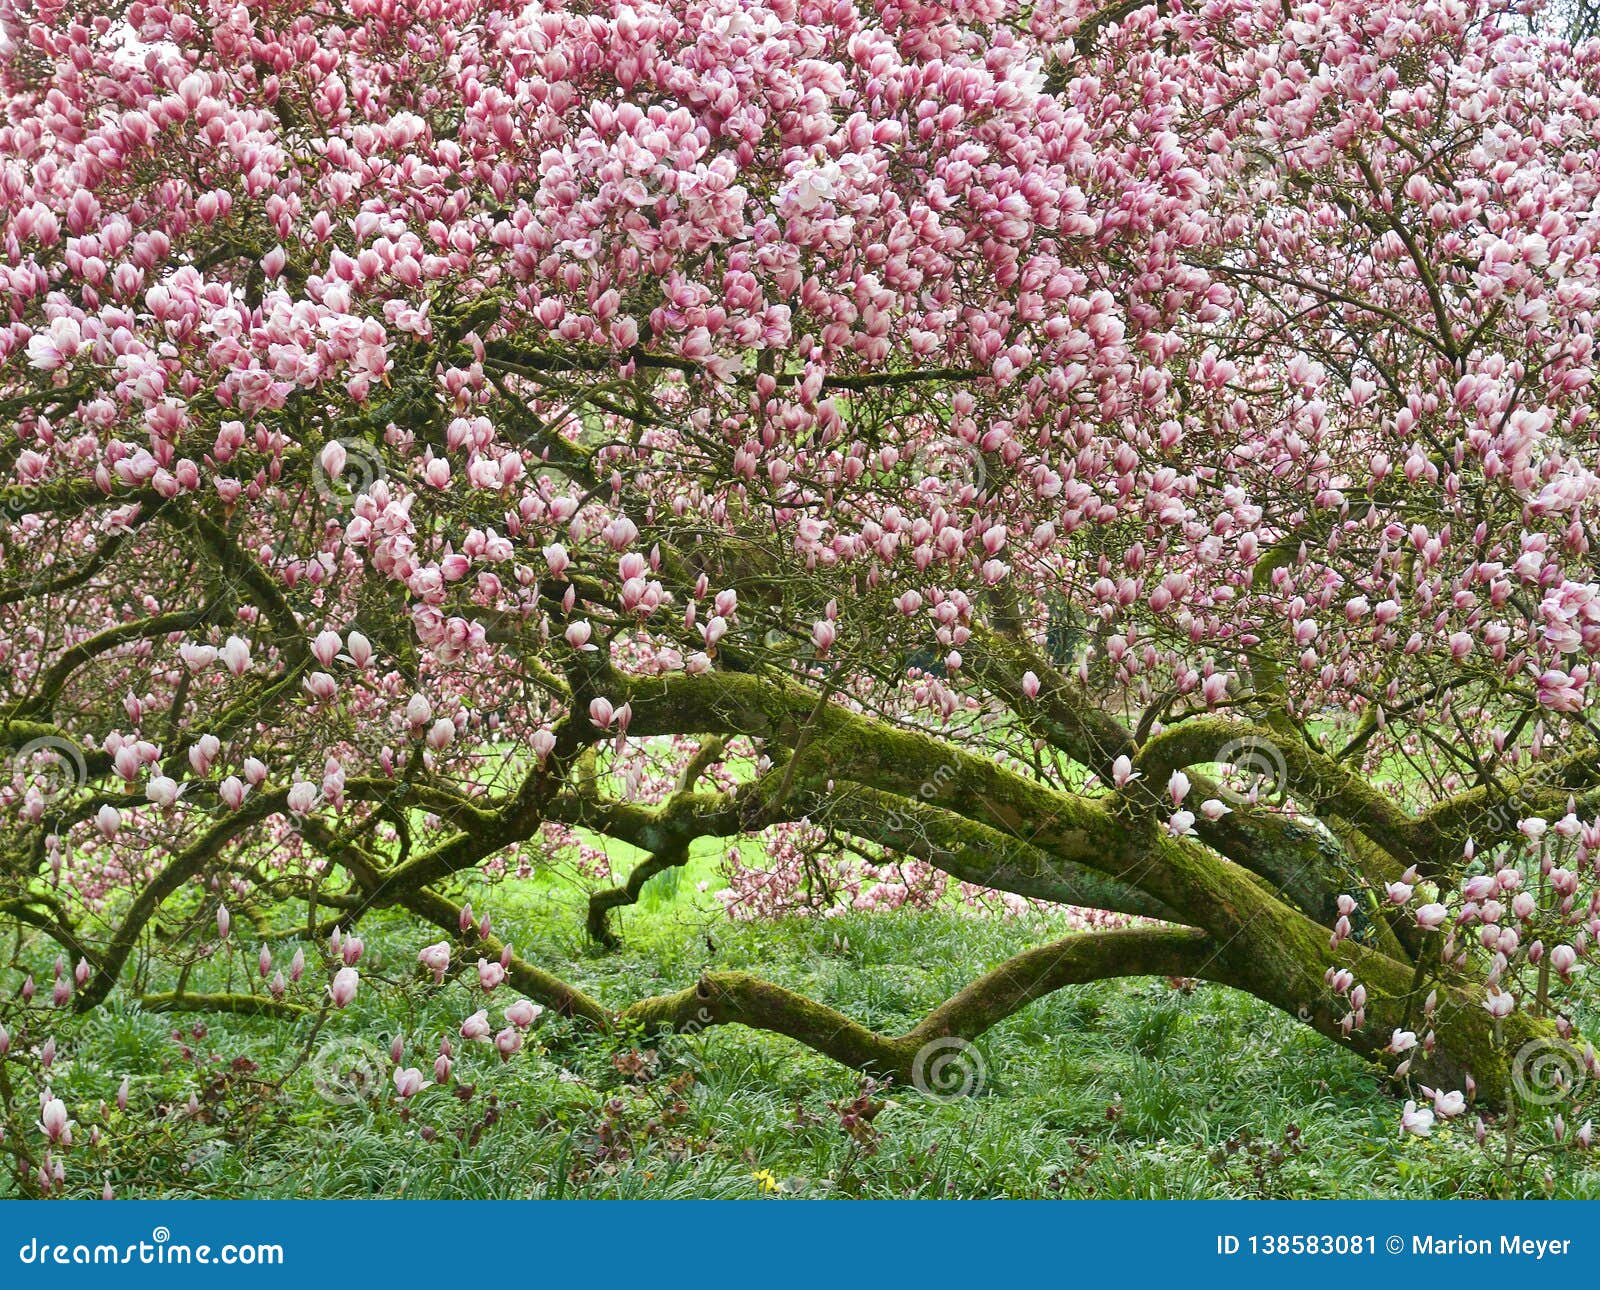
x=1132, y=1089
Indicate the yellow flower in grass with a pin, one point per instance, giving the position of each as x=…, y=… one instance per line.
x=768, y=1182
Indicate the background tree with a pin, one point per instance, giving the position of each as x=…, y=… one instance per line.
x=1135, y=459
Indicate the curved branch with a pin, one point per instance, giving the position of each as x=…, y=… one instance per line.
x=737, y=998
x=179, y=870
x=537, y=984
x=66, y=582
x=244, y=1005
x=601, y=903
x=1316, y=779
x=60, y=672
x=973, y=852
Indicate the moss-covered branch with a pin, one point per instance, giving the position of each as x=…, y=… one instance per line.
x=738, y=998
x=245, y=1005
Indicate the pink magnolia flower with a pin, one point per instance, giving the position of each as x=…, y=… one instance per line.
x=203, y=753
x=333, y=459
x=198, y=657
x=523, y=1013
x=343, y=990
x=55, y=346
x=436, y=958
x=236, y=656
x=1447, y=1105
x=1431, y=916
x=1561, y=691
x=1416, y=1120
x=360, y=649
x=55, y=1122
x=508, y=1042
x=325, y=648
x=477, y=1025
x=490, y=975
x=302, y=798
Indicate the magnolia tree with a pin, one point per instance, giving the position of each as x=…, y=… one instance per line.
x=1134, y=459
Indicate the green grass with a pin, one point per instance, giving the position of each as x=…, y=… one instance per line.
x=1128, y=1089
